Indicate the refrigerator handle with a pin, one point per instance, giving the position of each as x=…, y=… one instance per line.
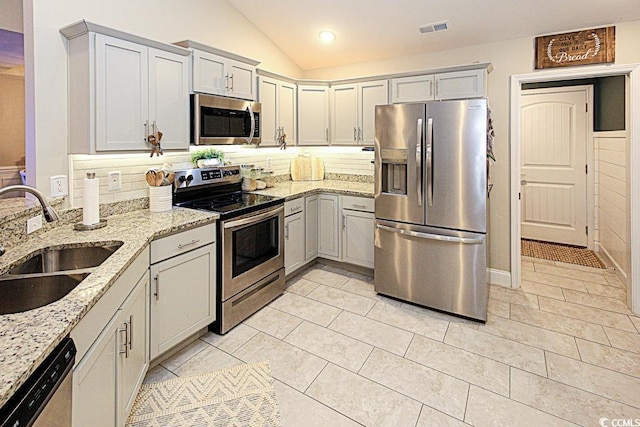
x=429, y=161
x=419, y=142
x=451, y=239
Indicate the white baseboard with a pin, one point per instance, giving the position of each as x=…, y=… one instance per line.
x=609, y=260
x=499, y=277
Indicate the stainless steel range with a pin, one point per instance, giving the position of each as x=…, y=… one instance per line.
x=250, y=240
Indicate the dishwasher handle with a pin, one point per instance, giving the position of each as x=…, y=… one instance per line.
x=429, y=236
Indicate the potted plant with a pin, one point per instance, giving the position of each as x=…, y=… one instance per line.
x=207, y=157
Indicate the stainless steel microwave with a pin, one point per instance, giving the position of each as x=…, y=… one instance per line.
x=217, y=120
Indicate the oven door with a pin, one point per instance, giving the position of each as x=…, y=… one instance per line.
x=253, y=248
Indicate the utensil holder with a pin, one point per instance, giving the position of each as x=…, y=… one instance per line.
x=160, y=198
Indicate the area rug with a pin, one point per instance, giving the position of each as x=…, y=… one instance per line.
x=559, y=252
x=239, y=396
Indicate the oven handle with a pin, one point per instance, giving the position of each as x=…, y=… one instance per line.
x=254, y=219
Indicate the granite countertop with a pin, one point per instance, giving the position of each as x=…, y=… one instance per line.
x=27, y=338
x=293, y=189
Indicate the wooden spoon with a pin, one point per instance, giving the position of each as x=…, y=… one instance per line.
x=150, y=176
x=159, y=178
x=171, y=176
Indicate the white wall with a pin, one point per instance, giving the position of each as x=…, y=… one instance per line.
x=508, y=58
x=212, y=22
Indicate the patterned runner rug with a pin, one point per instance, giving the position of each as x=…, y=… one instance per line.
x=558, y=252
x=239, y=396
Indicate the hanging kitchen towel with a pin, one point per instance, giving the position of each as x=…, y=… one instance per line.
x=490, y=134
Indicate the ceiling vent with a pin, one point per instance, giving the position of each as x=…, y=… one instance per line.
x=433, y=27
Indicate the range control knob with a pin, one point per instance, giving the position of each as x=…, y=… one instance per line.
x=181, y=179
x=189, y=178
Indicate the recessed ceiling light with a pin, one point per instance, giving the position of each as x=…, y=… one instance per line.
x=327, y=36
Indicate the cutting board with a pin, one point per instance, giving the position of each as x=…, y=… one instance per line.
x=307, y=168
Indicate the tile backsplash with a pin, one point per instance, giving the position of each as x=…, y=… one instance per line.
x=337, y=160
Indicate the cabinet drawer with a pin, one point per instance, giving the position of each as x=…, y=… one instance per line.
x=357, y=203
x=294, y=206
x=184, y=241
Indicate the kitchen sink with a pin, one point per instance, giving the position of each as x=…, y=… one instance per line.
x=22, y=293
x=51, y=259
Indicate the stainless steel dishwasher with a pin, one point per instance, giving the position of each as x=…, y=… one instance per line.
x=45, y=398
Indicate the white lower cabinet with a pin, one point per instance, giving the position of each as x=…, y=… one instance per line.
x=329, y=226
x=311, y=227
x=294, y=250
x=110, y=373
x=183, y=291
x=357, y=237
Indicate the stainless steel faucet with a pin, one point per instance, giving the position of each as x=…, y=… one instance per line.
x=48, y=212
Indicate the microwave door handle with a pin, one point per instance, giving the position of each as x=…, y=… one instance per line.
x=253, y=124
x=419, y=162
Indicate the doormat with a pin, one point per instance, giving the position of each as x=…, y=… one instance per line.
x=559, y=252
x=239, y=396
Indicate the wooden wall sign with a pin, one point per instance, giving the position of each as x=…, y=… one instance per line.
x=596, y=46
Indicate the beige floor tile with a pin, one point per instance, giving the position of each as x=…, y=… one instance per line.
x=306, y=308
x=556, y=322
x=569, y=266
x=184, y=354
x=330, y=345
x=541, y=289
x=597, y=380
x=325, y=277
x=208, y=360
x=232, y=340
x=551, y=280
x=498, y=308
x=636, y=322
x=366, y=289
x=532, y=335
x=373, y=405
x=497, y=348
x=297, y=409
x=596, y=301
x=462, y=364
x=606, y=291
x=157, y=374
x=378, y=334
x=537, y=260
x=587, y=276
x=527, y=266
x=614, y=281
x=588, y=314
x=513, y=296
x=291, y=365
x=440, y=391
x=302, y=287
x=409, y=320
x=273, y=322
x=489, y=409
x=615, y=359
x=629, y=341
x=564, y=401
x=342, y=299
x=429, y=417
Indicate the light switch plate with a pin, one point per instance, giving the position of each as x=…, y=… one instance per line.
x=59, y=186
x=34, y=224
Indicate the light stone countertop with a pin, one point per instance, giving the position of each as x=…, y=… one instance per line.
x=293, y=189
x=27, y=338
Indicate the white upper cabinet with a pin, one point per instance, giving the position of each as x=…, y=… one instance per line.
x=471, y=83
x=412, y=89
x=313, y=115
x=124, y=89
x=353, y=111
x=278, y=114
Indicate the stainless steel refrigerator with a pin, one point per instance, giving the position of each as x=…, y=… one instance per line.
x=431, y=204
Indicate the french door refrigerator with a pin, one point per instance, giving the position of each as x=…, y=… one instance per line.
x=431, y=204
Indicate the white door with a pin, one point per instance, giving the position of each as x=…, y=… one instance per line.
x=313, y=115
x=287, y=107
x=554, y=160
x=344, y=108
x=242, y=79
x=370, y=94
x=293, y=242
x=268, y=92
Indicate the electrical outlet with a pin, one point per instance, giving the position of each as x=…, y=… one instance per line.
x=34, y=224
x=115, y=180
x=59, y=186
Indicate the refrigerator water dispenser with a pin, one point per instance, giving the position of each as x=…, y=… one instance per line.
x=394, y=171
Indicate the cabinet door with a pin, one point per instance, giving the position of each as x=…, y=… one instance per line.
x=461, y=84
x=133, y=363
x=287, y=103
x=370, y=94
x=122, y=99
x=344, y=114
x=412, y=89
x=94, y=381
x=357, y=242
x=294, y=250
x=313, y=115
x=169, y=98
x=180, y=307
x=209, y=73
x=329, y=226
x=242, y=80
x=311, y=227
x=268, y=93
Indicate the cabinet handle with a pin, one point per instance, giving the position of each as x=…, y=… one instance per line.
x=355, y=138
x=157, y=293
x=359, y=206
x=126, y=339
x=437, y=84
x=226, y=79
x=326, y=134
x=131, y=332
x=231, y=78
x=344, y=222
x=359, y=134
x=286, y=231
x=154, y=128
x=184, y=245
x=146, y=130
